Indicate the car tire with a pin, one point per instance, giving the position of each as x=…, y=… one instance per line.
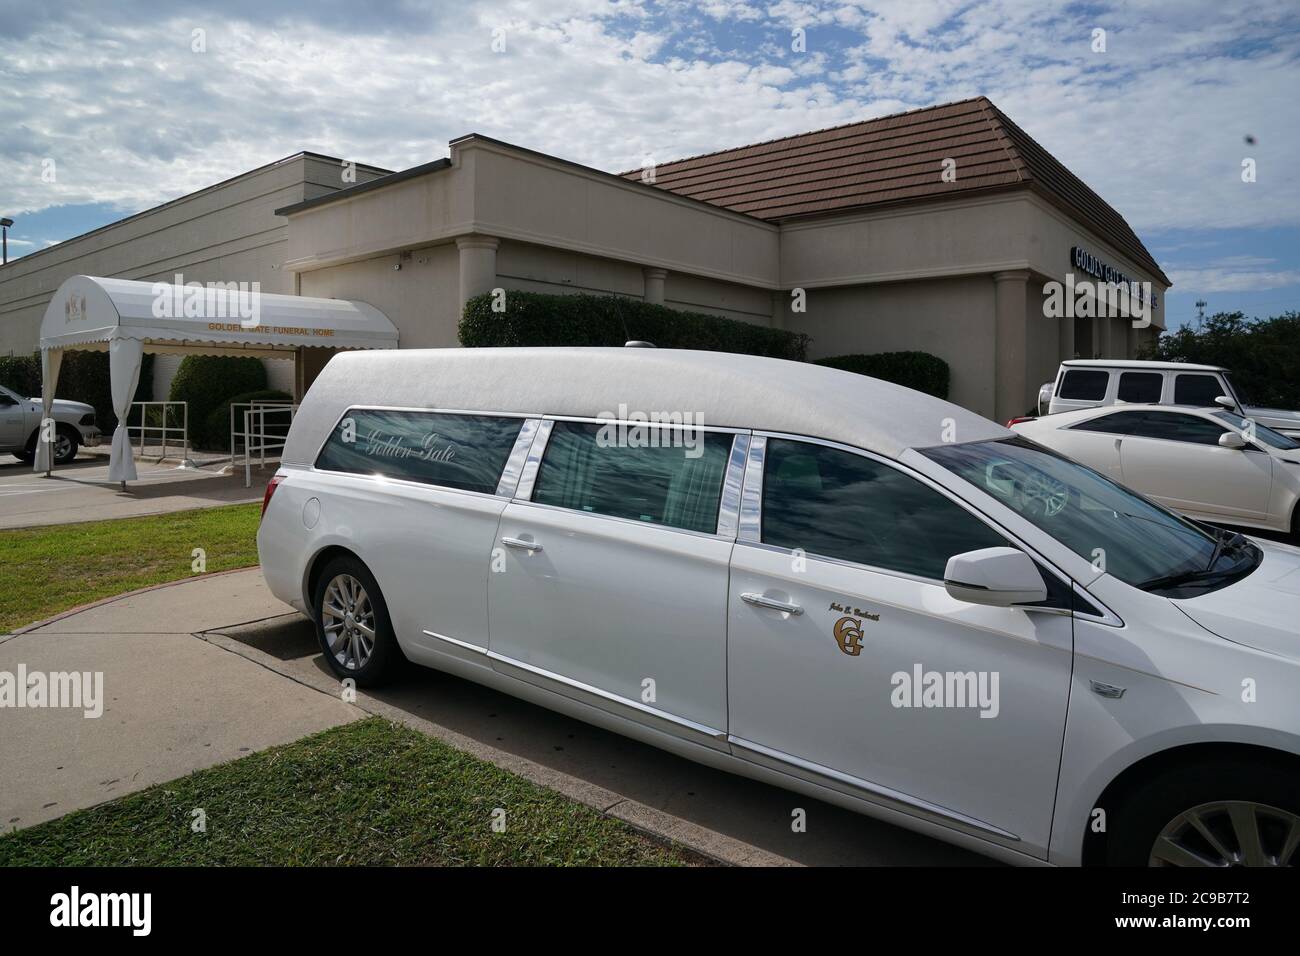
x=1204, y=815
x=348, y=604
x=66, y=443
x=27, y=455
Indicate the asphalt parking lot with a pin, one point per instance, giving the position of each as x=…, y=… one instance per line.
x=81, y=491
x=213, y=668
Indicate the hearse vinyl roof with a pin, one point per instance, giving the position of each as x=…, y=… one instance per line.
x=723, y=389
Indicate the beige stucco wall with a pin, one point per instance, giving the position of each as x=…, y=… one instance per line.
x=951, y=318
x=421, y=298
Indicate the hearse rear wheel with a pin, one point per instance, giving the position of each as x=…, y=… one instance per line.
x=352, y=624
x=1225, y=814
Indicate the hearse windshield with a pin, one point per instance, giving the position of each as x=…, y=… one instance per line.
x=1117, y=530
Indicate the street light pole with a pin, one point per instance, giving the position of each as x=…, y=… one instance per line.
x=4, y=239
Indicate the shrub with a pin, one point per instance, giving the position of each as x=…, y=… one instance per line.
x=83, y=377
x=538, y=319
x=1262, y=355
x=217, y=427
x=919, y=370
x=205, y=381
x=21, y=374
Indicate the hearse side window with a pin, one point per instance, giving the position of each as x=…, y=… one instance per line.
x=1087, y=385
x=1199, y=390
x=465, y=452
x=840, y=505
x=667, y=476
x=1140, y=388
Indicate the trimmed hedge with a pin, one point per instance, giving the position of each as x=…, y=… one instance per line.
x=919, y=370
x=205, y=381
x=83, y=377
x=539, y=319
x=218, y=423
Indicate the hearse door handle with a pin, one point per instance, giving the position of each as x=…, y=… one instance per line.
x=530, y=546
x=758, y=600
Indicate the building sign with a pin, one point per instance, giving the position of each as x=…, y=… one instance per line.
x=1089, y=264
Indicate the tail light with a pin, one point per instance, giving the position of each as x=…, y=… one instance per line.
x=270, y=490
x=1015, y=421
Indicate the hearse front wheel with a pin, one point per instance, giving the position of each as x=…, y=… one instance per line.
x=1226, y=814
x=352, y=624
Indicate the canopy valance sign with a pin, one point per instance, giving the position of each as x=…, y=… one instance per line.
x=128, y=318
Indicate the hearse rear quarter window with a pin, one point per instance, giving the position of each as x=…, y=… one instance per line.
x=466, y=452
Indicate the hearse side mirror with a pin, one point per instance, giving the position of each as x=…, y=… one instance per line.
x=998, y=577
x=1226, y=402
x=1232, y=440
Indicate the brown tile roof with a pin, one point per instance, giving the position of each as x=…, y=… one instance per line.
x=893, y=159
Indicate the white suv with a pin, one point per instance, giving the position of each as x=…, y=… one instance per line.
x=1089, y=383
x=809, y=577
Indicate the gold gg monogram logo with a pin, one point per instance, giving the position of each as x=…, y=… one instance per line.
x=848, y=635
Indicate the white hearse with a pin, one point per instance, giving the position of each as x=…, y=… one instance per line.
x=810, y=577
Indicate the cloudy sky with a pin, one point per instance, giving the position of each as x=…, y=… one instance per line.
x=118, y=106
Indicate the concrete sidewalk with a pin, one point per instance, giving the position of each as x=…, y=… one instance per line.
x=207, y=670
x=81, y=491
x=172, y=703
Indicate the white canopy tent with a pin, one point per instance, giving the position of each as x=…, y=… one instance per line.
x=127, y=319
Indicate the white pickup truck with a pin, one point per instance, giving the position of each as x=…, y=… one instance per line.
x=1089, y=383
x=20, y=420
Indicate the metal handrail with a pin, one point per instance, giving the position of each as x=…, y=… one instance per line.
x=257, y=438
x=164, y=431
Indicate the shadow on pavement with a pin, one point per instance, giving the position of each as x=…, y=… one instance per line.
x=745, y=810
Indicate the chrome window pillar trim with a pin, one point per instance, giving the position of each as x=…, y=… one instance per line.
x=712, y=733
x=732, y=483
x=750, y=530
x=533, y=460
x=1108, y=617
x=875, y=793
x=518, y=455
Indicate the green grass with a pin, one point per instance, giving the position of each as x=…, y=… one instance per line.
x=366, y=793
x=51, y=569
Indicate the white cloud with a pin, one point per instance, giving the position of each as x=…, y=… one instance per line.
x=1156, y=124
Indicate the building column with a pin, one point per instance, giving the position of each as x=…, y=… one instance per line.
x=1065, y=337
x=779, y=308
x=1011, y=291
x=478, y=266
x=1134, y=340
x=654, y=285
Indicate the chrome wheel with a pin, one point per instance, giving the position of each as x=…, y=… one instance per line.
x=62, y=447
x=348, y=619
x=1229, y=833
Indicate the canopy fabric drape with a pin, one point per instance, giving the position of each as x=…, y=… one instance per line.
x=51, y=362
